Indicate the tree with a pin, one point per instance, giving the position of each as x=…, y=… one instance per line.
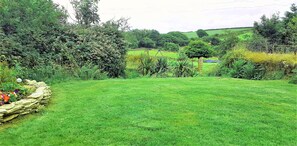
x=292, y=26
x=199, y=49
x=201, y=33
x=171, y=47
x=272, y=29
x=86, y=11
x=147, y=43
x=215, y=41
x=230, y=40
x=174, y=37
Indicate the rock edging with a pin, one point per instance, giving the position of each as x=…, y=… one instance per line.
x=32, y=103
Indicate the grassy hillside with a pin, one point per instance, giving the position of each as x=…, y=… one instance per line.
x=217, y=31
x=187, y=111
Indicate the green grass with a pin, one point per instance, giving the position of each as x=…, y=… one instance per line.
x=216, y=31
x=187, y=111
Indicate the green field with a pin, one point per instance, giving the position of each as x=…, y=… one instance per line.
x=217, y=31
x=185, y=111
x=153, y=52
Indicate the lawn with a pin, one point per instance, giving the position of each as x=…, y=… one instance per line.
x=171, y=111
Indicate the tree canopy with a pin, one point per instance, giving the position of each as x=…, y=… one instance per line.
x=201, y=33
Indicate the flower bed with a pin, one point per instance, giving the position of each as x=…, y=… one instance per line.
x=27, y=105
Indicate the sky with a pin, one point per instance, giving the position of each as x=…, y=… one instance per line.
x=187, y=15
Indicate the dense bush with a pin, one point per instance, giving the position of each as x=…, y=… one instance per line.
x=147, y=65
x=241, y=63
x=161, y=66
x=182, y=67
x=34, y=35
x=171, y=47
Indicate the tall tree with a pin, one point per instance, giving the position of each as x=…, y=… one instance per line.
x=199, y=49
x=86, y=11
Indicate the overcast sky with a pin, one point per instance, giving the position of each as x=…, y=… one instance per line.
x=187, y=15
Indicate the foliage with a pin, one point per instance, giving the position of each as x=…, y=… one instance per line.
x=147, y=65
x=183, y=68
x=241, y=63
x=171, y=47
x=174, y=37
x=90, y=72
x=201, y=33
x=213, y=40
x=6, y=74
x=142, y=38
x=294, y=77
x=258, y=43
x=8, y=83
x=270, y=28
x=86, y=11
x=230, y=40
x=147, y=43
x=131, y=40
x=161, y=66
x=280, y=32
x=35, y=37
x=198, y=48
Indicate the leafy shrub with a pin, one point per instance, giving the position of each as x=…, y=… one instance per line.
x=90, y=72
x=161, y=66
x=147, y=65
x=6, y=74
x=183, y=68
x=171, y=47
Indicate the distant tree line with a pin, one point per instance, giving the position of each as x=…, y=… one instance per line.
x=153, y=39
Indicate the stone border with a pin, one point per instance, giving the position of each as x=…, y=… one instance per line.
x=30, y=104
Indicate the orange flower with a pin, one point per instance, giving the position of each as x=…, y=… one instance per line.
x=5, y=98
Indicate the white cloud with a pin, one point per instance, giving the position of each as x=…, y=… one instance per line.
x=187, y=15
